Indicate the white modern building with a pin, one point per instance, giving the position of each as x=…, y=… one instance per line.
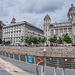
x=14, y=31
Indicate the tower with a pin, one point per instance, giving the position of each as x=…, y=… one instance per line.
x=47, y=22
x=71, y=14
x=71, y=19
x=1, y=29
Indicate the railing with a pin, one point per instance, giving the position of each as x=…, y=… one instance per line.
x=43, y=69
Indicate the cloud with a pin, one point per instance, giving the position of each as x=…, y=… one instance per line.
x=41, y=6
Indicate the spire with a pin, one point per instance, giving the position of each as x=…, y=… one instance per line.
x=47, y=17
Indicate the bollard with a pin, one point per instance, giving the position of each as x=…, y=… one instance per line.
x=19, y=56
x=72, y=64
x=42, y=70
x=34, y=60
x=2, y=53
x=45, y=61
x=13, y=56
x=5, y=53
x=26, y=57
x=63, y=71
x=55, y=71
x=57, y=62
x=9, y=54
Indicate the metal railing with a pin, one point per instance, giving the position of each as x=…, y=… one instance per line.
x=43, y=67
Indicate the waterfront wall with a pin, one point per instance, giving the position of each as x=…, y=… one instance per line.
x=50, y=52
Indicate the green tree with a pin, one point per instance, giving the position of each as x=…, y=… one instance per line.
x=29, y=40
x=54, y=39
x=66, y=38
x=39, y=40
x=7, y=42
x=43, y=40
x=60, y=41
x=0, y=41
x=35, y=40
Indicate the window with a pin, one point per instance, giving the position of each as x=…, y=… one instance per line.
x=51, y=32
x=46, y=34
x=65, y=30
x=61, y=30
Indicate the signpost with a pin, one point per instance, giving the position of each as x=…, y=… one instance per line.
x=30, y=59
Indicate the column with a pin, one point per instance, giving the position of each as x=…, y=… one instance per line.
x=13, y=56
x=42, y=70
x=63, y=71
x=58, y=62
x=9, y=54
x=34, y=60
x=72, y=64
x=45, y=61
x=5, y=53
x=26, y=57
x=2, y=53
x=19, y=57
x=55, y=71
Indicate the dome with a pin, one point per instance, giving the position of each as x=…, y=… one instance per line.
x=72, y=7
x=47, y=17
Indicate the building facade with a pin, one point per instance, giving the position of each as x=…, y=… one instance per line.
x=15, y=31
x=59, y=29
x=1, y=29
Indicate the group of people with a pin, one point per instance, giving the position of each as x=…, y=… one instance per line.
x=52, y=45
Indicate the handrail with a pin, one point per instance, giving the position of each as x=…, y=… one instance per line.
x=43, y=66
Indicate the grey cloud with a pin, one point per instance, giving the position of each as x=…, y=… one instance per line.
x=41, y=7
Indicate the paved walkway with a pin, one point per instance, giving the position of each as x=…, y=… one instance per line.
x=7, y=68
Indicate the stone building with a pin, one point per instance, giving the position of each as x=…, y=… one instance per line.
x=1, y=29
x=14, y=31
x=59, y=29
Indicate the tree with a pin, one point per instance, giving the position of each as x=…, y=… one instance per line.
x=3, y=42
x=0, y=41
x=39, y=40
x=60, y=41
x=27, y=40
x=35, y=40
x=43, y=40
x=66, y=38
x=54, y=39
x=7, y=42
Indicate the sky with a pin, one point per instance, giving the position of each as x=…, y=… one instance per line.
x=34, y=11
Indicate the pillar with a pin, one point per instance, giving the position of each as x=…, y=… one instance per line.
x=63, y=71
x=34, y=60
x=55, y=71
x=45, y=61
x=13, y=56
x=2, y=53
x=72, y=64
x=19, y=57
x=9, y=54
x=5, y=53
x=58, y=62
x=26, y=57
x=42, y=70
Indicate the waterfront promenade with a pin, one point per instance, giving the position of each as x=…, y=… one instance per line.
x=30, y=69
x=7, y=68
x=20, y=62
